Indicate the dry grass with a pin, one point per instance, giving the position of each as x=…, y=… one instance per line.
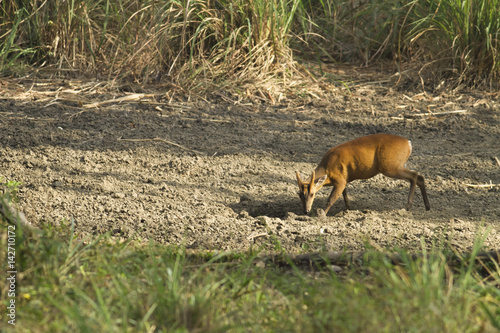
x=190, y=47
x=243, y=49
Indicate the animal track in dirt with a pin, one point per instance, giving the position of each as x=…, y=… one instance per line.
x=240, y=189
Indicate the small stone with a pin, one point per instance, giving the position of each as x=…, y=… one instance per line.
x=320, y=213
x=262, y=220
x=335, y=268
x=243, y=214
x=245, y=197
x=57, y=183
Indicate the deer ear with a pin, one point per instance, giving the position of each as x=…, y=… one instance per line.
x=298, y=178
x=320, y=181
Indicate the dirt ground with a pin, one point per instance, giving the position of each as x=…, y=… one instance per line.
x=221, y=175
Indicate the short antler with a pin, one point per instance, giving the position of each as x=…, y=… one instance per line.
x=298, y=177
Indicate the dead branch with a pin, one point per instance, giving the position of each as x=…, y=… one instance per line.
x=317, y=259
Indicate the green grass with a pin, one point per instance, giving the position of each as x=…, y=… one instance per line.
x=99, y=285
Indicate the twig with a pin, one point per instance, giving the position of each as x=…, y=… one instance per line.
x=203, y=119
x=437, y=113
x=129, y=98
x=498, y=161
x=252, y=237
x=460, y=154
x=162, y=140
x=490, y=185
x=170, y=106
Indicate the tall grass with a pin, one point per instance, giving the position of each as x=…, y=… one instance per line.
x=206, y=45
x=184, y=42
x=452, y=40
x=358, y=31
x=462, y=35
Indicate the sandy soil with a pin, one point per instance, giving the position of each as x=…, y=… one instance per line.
x=230, y=184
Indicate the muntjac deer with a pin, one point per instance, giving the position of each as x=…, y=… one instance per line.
x=361, y=158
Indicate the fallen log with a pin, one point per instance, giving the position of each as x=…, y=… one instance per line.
x=13, y=216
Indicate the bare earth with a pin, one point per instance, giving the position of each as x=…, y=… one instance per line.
x=222, y=176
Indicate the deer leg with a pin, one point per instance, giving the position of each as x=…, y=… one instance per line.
x=413, y=183
x=346, y=199
x=338, y=189
x=420, y=183
x=412, y=177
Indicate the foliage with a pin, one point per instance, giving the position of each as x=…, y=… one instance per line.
x=10, y=189
x=65, y=283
